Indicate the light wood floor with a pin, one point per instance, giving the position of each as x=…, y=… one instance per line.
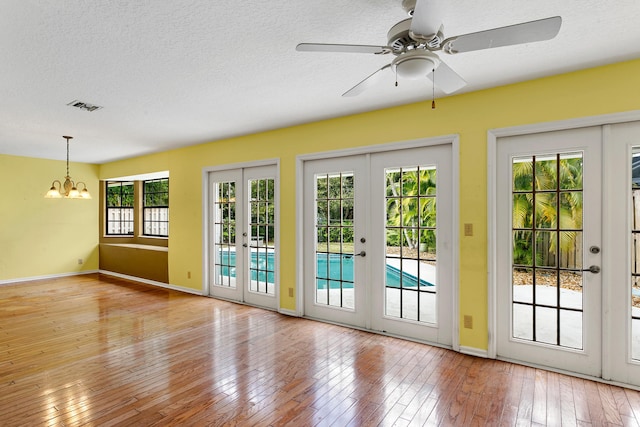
x=94, y=350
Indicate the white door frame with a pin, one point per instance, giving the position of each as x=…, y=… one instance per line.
x=492, y=138
x=207, y=201
x=453, y=140
x=357, y=315
x=618, y=171
x=433, y=157
x=584, y=355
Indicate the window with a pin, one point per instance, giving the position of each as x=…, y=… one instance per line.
x=120, y=214
x=547, y=209
x=155, y=210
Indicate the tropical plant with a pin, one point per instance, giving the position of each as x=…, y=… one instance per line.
x=262, y=209
x=120, y=194
x=411, y=204
x=334, y=203
x=556, y=204
x=156, y=192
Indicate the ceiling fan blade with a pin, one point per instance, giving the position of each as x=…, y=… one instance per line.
x=348, y=48
x=426, y=17
x=446, y=79
x=533, y=31
x=367, y=82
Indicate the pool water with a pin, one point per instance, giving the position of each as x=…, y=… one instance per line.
x=329, y=269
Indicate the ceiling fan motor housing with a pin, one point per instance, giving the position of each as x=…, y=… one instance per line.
x=398, y=36
x=415, y=64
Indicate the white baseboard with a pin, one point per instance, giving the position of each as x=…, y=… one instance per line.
x=151, y=282
x=288, y=312
x=47, y=276
x=472, y=351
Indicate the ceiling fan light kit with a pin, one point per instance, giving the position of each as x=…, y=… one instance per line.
x=415, y=64
x=414, y=42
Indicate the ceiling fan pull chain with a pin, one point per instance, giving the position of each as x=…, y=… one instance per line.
x=433, y=89
x=396, y=71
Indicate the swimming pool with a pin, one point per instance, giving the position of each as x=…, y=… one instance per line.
x=329, y=269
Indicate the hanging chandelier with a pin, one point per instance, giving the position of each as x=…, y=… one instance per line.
x=68, y=190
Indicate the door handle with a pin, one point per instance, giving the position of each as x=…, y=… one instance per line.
x=593, y=269
x=362, y=254
x=244, y=244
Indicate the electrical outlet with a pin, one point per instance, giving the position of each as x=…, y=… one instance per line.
x=291, y=292
x=468, y=321
x=468, y=229
x=188, y=275
x=80, y=261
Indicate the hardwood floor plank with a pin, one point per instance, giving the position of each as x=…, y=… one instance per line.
x=365, y=412
x=413, y=407
x=96, y=350
x=634, y=402
x=567, y=402
x=527, y=396
x=503, y=397
x=491, y=389
x=609, y=405
x=628, y=421
x=580, y=401
x=554, y=412
x=622, y=403
x=539, y=410
x=392, y=415
x=596, y=412
x=468, y=410
x=446, y=392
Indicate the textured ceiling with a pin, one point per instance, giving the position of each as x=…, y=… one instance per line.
x=183, y=72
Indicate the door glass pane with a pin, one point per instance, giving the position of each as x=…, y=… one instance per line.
x=225, y=234
x=547, y=249
x=261, y=243
x=334, y=240
x=410, y=256
x=635, y=254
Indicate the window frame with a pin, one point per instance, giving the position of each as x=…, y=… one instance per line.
x=120, y=208
x=145, y=208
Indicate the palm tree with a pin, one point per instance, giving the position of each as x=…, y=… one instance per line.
x=411, y=203
x=558, y=205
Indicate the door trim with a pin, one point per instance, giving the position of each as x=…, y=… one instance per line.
x=454, y=141
x=206, y=204
x=492, y=139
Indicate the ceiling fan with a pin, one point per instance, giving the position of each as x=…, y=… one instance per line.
x=415, y=41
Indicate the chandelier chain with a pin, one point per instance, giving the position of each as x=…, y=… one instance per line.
x=67, y=155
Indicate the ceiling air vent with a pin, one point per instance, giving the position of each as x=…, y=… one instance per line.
x=84, y=106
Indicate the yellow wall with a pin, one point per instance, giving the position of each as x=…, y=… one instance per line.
x=45, y=237
x=590, y=92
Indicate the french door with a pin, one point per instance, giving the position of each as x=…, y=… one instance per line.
x=622, y=232
x=243, y=235
x=335, y=248
x=548, y=244
x=378, y=243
